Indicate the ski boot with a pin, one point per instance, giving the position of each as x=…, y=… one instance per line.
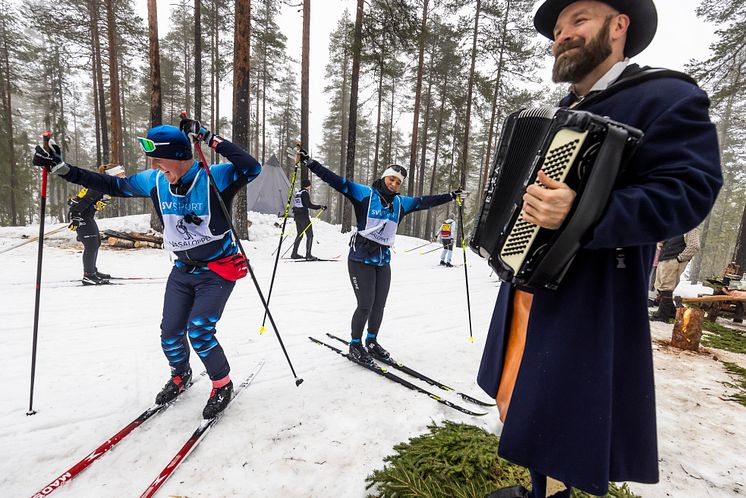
x=295, y=255
x=219, y=399
x=102, y=276
x=93, y=279
x=442, y=263
x=310, y=257
x=359, y=354
x=449, y=265
x=176, y=385
x=376, y=351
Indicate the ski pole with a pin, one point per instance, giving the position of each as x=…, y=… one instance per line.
x=40, y=253
x=421, y=245
x=35, y=237
x=304, y=230
x=277, y=256
x=229, y=218
x=429, y=251
x=466, y=272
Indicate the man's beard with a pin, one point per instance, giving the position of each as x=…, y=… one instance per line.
x=576, y=66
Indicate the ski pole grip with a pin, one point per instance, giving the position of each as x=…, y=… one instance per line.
x=45, y=139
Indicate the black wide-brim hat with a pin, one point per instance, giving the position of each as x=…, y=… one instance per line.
x=642, y=16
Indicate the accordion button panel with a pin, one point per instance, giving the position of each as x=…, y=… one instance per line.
x=558, y=161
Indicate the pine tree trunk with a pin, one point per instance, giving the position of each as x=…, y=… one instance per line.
x=352, y=133
x=493, y=115
x=198, y=60
x=156, y=103
x=343, y=134
x=376, y=168
x=98, y=71
x=8, y=108
x=304, y=79
x=739, y=254
x=467, y=120
x=420, y=176
x=438, y=134
x=417, y=98
x=116, y=116
x=241, y=97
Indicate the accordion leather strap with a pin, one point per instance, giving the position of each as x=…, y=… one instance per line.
x=514, y=351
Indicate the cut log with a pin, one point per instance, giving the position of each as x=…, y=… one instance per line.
x=117, y=242
x=147, y=237
x=687, y=329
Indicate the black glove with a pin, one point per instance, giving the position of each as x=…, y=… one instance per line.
x=459, y=192
x=51, y=159
x=323, y=208
x=301, y=157
x=194, y=130
x=75, y=222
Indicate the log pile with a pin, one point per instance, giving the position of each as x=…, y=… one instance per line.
x=132, y=240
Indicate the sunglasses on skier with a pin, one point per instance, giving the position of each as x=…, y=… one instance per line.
x=147, y=145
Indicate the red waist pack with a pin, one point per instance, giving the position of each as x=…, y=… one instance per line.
x=231, y=268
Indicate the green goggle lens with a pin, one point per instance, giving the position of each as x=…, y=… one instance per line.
x=148, y=145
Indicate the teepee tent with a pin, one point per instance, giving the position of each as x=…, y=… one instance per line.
x=268, y=192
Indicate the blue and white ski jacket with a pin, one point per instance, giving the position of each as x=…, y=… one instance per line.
x=377, y=220
x=195, y=228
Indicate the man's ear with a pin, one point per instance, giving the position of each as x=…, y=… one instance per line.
x=619, y=27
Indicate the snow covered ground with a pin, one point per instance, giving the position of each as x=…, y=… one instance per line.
x=99, y=365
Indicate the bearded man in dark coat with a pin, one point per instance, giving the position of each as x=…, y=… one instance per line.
x=572, y=368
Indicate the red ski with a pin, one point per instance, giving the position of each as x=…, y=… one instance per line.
x=196, y=437
x=79, y=467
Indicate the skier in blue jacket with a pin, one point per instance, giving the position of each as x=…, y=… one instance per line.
x=196, y=230
x=378, y=210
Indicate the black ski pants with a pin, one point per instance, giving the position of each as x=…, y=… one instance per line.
x=192, y=306
x=371, y=285
x=301, y=222
x=88, y=234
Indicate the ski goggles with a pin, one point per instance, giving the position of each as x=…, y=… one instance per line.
x=399, y=169
x=148, y=146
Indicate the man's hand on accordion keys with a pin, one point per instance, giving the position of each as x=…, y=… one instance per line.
x=548, y=204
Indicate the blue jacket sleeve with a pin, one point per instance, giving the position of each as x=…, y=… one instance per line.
x=138, y=185
x=412, y=204
x=671, y=182
x=241, y=168
x=351, y=190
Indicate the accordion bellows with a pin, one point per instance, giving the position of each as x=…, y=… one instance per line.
x=581, y=149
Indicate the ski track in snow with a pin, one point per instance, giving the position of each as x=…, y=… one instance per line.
x=99, y=365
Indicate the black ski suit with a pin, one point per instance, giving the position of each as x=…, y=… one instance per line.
x=81, y=213
x=301, y=204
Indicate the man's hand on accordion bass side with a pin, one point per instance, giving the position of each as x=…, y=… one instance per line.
x=547, y=206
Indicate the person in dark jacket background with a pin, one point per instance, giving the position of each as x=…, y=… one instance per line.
x=675, y=254
x=82, y=212
x=301, y=204
x=571, y=369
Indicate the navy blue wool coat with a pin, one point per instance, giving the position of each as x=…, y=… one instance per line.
x=583, y=407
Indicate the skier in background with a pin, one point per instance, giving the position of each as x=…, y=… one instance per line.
x=82, y=212
x=301, y=204
x=445, y=235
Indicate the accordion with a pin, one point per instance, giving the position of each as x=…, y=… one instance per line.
x=583, y=150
